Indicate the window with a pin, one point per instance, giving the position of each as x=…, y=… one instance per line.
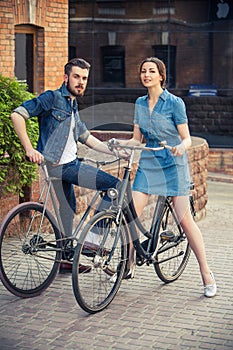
x=25, y=55
x=113, y=65
x=167, y=53
x=72, y=52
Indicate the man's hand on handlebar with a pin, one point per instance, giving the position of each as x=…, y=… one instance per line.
x=34, y=156
x=120, y=152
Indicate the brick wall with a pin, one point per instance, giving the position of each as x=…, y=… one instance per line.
x=138, y=28
x=198, y=164
x=7, y=202
x=221, y=160
x=7, y=39
x=50, y=21
x=211, y=115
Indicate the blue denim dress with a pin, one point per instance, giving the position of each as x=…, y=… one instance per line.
x=159, y=172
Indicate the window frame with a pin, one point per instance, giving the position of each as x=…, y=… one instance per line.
x=28, y=29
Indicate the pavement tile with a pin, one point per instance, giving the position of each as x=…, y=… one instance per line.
x=145, y=313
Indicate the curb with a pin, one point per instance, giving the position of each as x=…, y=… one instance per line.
x=220, y=177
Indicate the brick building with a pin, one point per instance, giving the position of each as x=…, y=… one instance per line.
x=193, y=37
x=195, y=40
x=34, y=41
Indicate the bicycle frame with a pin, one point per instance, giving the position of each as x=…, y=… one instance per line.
x=109, y=256
x=130, y=214
x=128, y=209
x=32, y=241
x=49, y=192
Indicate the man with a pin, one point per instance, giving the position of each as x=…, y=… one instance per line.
x=60, y=130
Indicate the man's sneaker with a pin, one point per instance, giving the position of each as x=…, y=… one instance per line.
x=90, y=249
x=66, y=267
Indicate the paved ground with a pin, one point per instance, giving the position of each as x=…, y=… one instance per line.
x=145, y=313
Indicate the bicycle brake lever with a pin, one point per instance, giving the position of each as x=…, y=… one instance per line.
x=163, y=143
x=112, y=142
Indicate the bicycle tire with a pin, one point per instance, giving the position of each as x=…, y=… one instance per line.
x=97, y=284
x=173, y=247
x=26, y=267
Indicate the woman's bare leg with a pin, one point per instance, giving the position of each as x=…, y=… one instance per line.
x=140, y=201
x=194, y=235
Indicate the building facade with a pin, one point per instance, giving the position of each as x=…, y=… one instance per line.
x=34, y=41
x=194, y=38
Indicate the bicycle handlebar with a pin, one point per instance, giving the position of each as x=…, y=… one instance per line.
x=113, y=144
x=99, y=162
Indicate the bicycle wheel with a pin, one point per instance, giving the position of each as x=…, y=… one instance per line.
x=173, y=247
x=98, y=267
x=30, y=250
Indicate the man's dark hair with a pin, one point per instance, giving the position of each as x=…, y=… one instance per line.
x=76, y=62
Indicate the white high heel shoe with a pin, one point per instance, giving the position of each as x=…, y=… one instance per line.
x=210, y=290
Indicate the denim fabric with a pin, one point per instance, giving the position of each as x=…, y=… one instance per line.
x=80, y=174
x=54, y=110
x=161, y=123
x=160, y=172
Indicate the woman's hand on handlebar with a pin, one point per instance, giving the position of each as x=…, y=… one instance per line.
x=178, y=150
x=34, y=156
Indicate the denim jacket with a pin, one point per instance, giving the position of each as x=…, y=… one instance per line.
x=54, y=110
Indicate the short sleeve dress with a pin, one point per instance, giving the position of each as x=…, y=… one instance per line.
x=159, y=172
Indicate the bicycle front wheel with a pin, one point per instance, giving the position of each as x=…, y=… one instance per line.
x=173, y=250
x=99, y=262
x=30, y=250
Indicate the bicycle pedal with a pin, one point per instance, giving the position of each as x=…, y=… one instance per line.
x=167, y=236
x=139, y=260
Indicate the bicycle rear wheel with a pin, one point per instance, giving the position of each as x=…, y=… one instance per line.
x=173, y=250
x=99, y=264
x=30, y=250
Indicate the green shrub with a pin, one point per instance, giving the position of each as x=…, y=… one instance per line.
x=15, y=171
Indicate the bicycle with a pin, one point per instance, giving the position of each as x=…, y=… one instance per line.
x=166, y=246
x=32, y=243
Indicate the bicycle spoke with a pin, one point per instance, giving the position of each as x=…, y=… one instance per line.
x=173, y=252
x=26, y=266
x=95, y=286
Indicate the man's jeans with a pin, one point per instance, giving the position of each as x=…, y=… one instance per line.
x=83, y=175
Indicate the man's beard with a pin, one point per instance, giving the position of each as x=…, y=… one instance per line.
x=73, y=92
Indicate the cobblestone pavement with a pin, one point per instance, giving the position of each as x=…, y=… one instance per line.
x=145, y=313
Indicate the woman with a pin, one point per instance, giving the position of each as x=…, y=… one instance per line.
x=160, y=115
